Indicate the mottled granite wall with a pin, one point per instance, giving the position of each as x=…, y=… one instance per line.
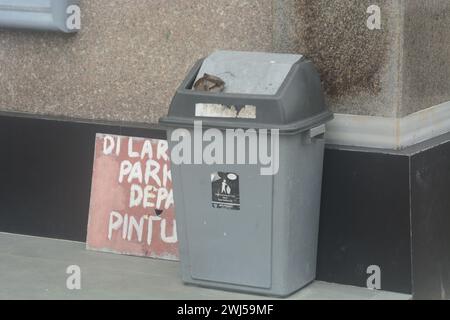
x=129, y=57
x=426, y=54
x=395, y=71
x=359, y=66
x=131, y=54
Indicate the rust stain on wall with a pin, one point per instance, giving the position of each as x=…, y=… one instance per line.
x=334, y=34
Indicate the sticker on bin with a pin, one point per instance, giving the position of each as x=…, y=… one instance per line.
x=225, y=191
x=213, y=110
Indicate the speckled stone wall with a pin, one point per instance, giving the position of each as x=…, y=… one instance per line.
x=359, y=67
x=129, y=57
x=392, y=72
x=426, y=54
x=131, y=54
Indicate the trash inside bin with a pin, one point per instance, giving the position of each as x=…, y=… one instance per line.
x=246, y=223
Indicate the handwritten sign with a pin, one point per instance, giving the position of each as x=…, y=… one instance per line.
x=132, y=208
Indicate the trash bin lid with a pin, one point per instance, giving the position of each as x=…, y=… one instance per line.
x=261, y=90
x=249, y=72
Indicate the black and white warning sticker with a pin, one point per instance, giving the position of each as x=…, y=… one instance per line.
x=225, y=191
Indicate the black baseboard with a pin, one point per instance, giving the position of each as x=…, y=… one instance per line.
x=365, y=219
x=46, y=169
x=430, y=227
x=389, y=209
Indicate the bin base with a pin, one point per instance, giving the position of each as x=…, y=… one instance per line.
x=242, y=289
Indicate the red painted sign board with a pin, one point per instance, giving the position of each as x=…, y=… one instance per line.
x=132, y=208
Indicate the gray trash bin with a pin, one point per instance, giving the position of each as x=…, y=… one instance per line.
x=239, y=229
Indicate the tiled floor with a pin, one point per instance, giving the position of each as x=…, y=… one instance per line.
x=35, y=268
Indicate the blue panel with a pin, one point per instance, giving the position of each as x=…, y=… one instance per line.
x=46, y=15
